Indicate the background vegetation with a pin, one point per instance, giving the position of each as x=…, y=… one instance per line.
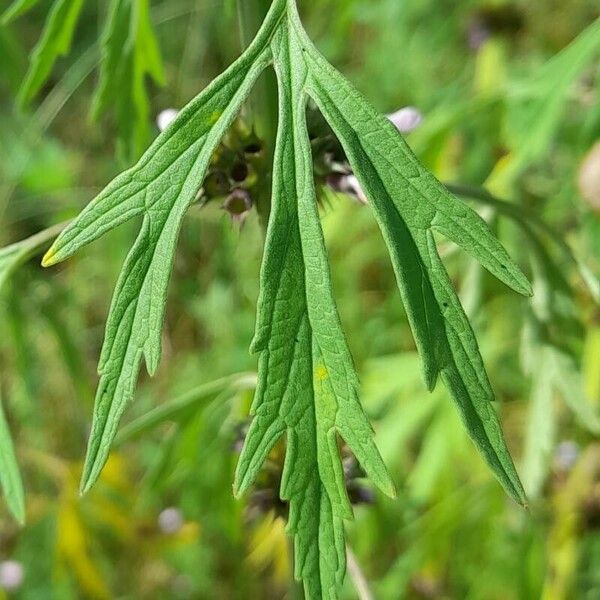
x=510, y=94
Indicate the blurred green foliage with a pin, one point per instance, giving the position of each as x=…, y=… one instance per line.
x=510, y=92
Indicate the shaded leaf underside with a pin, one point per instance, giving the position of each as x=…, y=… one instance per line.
x=161, y=187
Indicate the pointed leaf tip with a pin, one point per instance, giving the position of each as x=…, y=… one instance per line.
x=49, y=259
x=236, y=488
x=390, y=490
x=518, y=280
x=86, y=484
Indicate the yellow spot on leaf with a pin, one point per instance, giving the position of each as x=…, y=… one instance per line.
x=214, y=117
x=321, y=373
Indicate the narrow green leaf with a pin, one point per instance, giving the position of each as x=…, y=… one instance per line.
x=541, y=100
x=148, y=48
x=307, y=387
x=13, y=256
x=55, y=42
x=307, y=383
x=178, y=408
x=160, y=187
x=410, y=204
x=553, y=373
x=532, y=227
x=570, y=384
x=540, y=435
x=130, y=52
x=10, y=477
x=114, y=38
x=16, y=10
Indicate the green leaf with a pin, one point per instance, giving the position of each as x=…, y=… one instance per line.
x=10, y=477
x=553, y=372
x=55, y=42
x=16, y=10
x=540, y=102
x=161, y=187
x=410, y=204
x=182, y=406
x=569, y=382
x=307, y=383
x=129, y=53
x=307, y=387
x=541, y=423
x=13, y=256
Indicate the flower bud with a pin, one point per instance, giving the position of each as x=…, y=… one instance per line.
x=347, y=184
x=253, y=146
x=239, y=171
x=360, y=494
x=216, y=184
x=238, y=205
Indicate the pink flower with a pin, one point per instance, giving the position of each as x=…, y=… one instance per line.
x=11, y=575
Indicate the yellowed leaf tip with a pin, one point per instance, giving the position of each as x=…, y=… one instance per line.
x=49, y=258
x=391, y=492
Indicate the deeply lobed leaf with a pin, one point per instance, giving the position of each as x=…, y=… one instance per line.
x=307, y=387
x=410, y=204
x=307, y=383
x=160, y=187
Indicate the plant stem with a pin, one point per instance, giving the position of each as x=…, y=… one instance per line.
x=361, y=585
x=263, y=103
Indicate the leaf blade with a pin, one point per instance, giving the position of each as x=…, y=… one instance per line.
x=143, y=284
x=10, y=476
x=54, y=43
x=16, y=10
x=160, y=187
x=13, y=256
x=130, y=52
x=409, y=203
x=307, y=389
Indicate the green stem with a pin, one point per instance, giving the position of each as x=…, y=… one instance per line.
x=263, y=103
